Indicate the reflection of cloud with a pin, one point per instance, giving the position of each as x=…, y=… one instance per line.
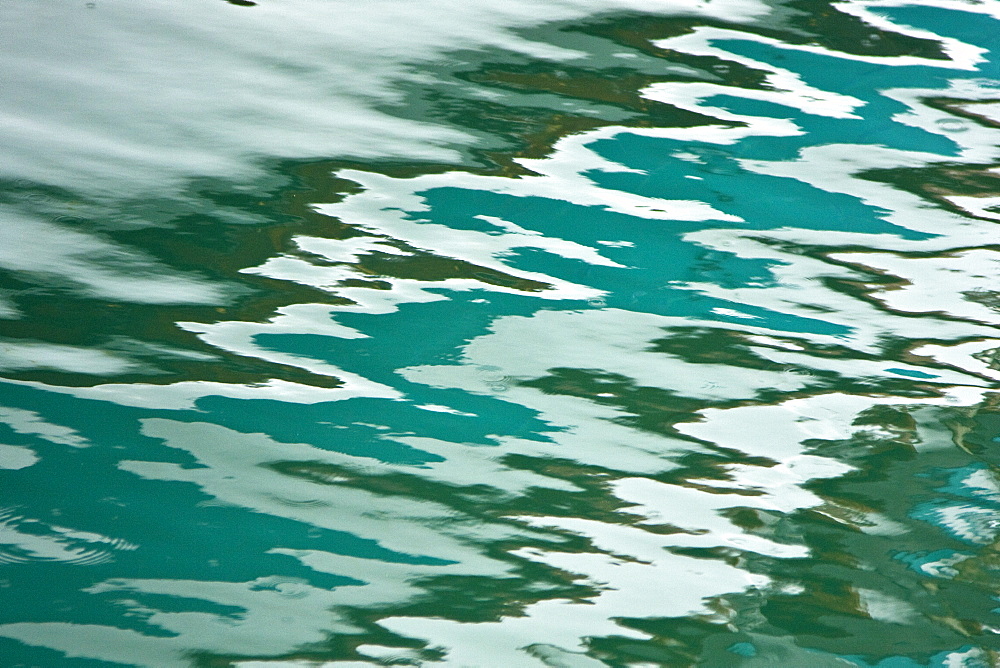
x=979, y=525
x=235, y=470
x=266, y=621
x=607, y=341
x=638, y=567
x=20, y=356
x=299, y=80
x=273, y=615
x=14, y=457
x=697, y=512
x=7, y=309
x=648, y=582
x=936, y=284
x=976, y=522
x=29, y=422
x=96, y=267
x=185, y=394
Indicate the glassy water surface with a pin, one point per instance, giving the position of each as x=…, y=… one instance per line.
x=577, y=333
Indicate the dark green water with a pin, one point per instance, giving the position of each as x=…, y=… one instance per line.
x=567, y=334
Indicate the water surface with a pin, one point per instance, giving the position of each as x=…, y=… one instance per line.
x=536, y=334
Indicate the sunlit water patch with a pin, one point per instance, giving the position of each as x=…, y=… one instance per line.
x=592, y=334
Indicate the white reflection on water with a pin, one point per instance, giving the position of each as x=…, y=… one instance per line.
x=561, y=177
x=234, y=470
x=648, y=581
x=94, y=267
x=13, y=457
x=269, y=612
x=607, y=341
x=8, y=311
x=931, y=283
x=185, y=394
x=237, y=337
x=292, y=79
x=635, y=564
x=31, y=423
x=264, y=620
x=20, y=355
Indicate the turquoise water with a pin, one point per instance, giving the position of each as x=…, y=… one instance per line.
x=543, y=334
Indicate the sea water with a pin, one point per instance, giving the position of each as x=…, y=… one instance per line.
x=570, y=333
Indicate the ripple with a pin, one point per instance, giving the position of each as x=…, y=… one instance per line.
x=720, y=303
x=25, y=540
x=301, y=503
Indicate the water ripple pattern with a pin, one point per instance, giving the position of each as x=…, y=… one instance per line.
x=535, y=334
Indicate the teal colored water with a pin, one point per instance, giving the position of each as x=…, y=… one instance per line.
x=564, y=334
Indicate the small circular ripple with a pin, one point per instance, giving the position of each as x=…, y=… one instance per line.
x=85, y=558
x=122, y=544
x=18, y=545
x=302, y=503
x=8, y=557
x=952, y=124
x=74, y=557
